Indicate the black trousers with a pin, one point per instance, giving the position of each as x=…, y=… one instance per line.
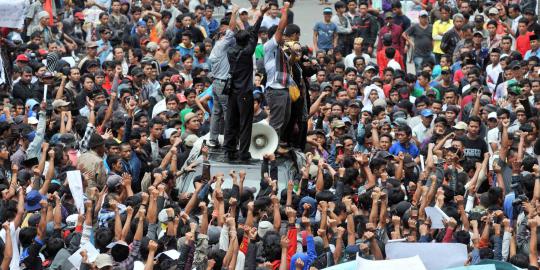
x=238, y=123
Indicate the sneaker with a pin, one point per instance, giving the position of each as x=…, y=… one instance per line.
x=212, y=144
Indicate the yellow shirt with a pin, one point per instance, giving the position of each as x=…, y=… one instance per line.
x=439, y=28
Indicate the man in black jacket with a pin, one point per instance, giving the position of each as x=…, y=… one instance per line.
x=23, y=88
x=240, y=103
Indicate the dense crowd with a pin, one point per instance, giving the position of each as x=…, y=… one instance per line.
x=107, y=106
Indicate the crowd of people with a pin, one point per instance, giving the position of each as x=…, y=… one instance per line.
x=384, y=115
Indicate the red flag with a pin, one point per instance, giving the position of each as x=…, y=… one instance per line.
x=48, y=6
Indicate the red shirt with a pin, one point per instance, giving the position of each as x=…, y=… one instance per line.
x=382, y=61
x=523, y=44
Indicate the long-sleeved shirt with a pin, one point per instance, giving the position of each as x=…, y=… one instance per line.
x=342, y=23
x=218, y=59
x=306, y=258
x=398, y=42
x=34, y=148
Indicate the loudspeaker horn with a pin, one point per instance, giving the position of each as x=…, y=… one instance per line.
x=264, y=140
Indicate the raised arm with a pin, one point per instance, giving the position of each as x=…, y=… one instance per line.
x=282, y=23
x=8, y=248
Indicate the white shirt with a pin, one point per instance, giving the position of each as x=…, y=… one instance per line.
x=493, y=136
x=421, y=132
x=268, y=22
x=492, y=75
x=515, y=23
x=349, y=59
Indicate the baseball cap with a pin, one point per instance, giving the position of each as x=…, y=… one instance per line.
x=369, y=67
x=22, y=58
x=478, y=33
x=91, y=44
x=479, y=18
x=492, y=115
x=427, y=113
x=388, y=15
x=242, y=10
x=325, y=85
x=59, y=103
x=424, y=13
x=460, y=126
x=79, y=15
x=327, y=10
x=354, y=103
x=103, y=260
x=337, y=124
x=493, y=10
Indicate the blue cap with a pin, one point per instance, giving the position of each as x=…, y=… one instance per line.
x=31, y=135
x=31, y=202
x=141, y=23
x=31, y=103
x=427, y=113
x=327, y=10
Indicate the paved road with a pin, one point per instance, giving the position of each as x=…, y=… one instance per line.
x=306, y=14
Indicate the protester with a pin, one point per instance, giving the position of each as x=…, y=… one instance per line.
x=126, y=128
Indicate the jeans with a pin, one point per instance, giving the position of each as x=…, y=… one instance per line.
x=219, y=110
x=279, y=103
x=419, y=60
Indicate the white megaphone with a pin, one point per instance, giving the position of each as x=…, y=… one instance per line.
x=264, y=140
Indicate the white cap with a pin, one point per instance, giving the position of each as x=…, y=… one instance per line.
x=242, y=10
x=492, y=115
x=169, y=132
x=32, y=120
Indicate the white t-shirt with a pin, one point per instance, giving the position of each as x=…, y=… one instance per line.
x=493, y=136
x=268, y=22
x=14, y=264
x=394, y=65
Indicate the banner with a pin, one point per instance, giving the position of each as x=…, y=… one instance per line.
x=76, y=187
x=412, y=263
x=12, y=13
x=435, y=256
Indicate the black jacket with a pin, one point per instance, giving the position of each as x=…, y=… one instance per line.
x=241, y=61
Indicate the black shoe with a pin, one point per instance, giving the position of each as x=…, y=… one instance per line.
x=246, y=159
x=230, y=157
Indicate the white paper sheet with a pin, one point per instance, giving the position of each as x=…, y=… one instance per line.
x=437, y=216
x=91, y=252
x=435, y=256
x=76, y=187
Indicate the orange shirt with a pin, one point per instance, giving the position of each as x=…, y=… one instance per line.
x=523, y=44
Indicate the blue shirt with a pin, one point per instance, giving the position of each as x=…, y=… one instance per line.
x=325, y=35
x=103, y=55
x=530, y=53
x=411, y=150
x=212, y=25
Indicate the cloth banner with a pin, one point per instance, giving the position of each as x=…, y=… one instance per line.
x=435, y=256
x=12, y=13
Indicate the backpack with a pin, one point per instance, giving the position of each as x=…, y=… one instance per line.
x=449, y=41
